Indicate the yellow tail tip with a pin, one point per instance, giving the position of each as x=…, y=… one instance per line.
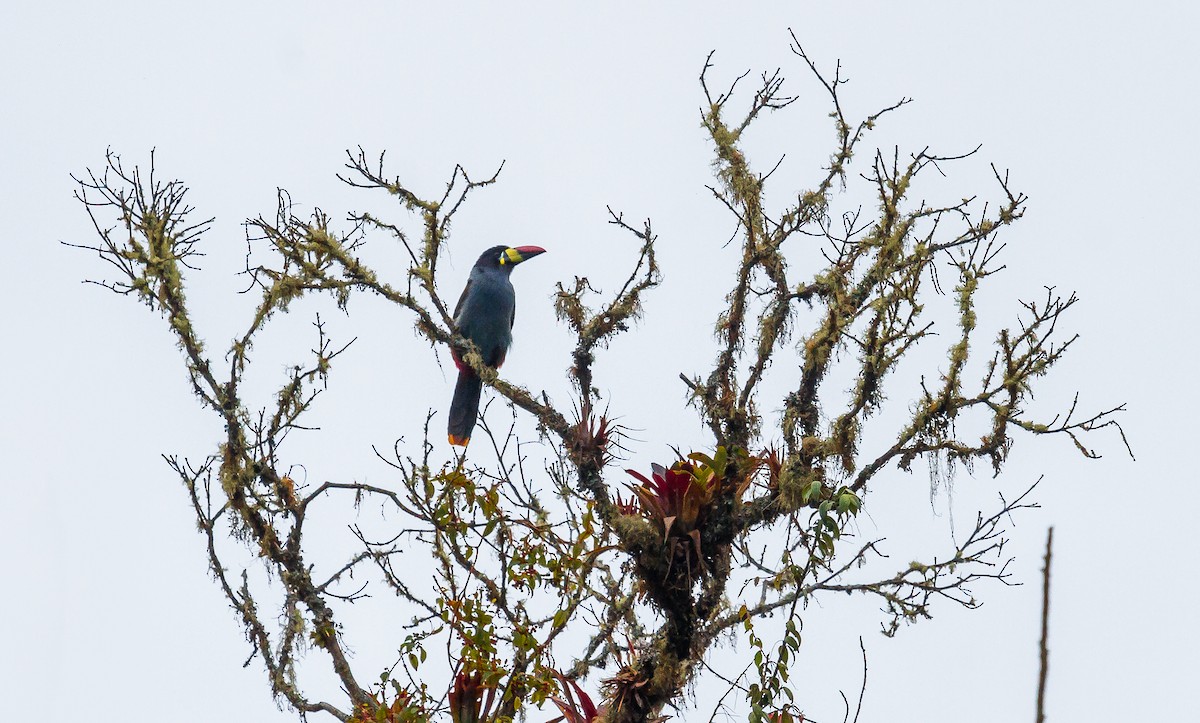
x=459, y=441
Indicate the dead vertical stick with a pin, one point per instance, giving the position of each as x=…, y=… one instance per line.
x=1044, y=654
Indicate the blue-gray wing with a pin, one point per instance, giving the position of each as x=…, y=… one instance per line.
x=461, y=300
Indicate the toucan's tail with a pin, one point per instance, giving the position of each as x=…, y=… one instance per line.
x=464, y=408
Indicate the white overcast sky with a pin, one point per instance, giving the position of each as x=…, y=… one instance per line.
x=108, y=610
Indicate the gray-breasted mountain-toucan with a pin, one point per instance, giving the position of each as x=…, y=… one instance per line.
x=484, y=314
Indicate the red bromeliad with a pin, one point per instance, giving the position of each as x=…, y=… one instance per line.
x=575, y=705
x=467, y=700
x=678, y=499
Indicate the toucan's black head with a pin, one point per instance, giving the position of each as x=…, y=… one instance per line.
x=507, y=256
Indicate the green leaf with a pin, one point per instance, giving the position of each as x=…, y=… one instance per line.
x=560, y=618
x=832, y=525
x=722, y=459
x=812, y=491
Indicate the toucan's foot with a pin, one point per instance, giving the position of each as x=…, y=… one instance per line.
x=459, y=441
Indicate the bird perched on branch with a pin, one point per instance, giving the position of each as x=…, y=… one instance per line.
x=484, y=314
